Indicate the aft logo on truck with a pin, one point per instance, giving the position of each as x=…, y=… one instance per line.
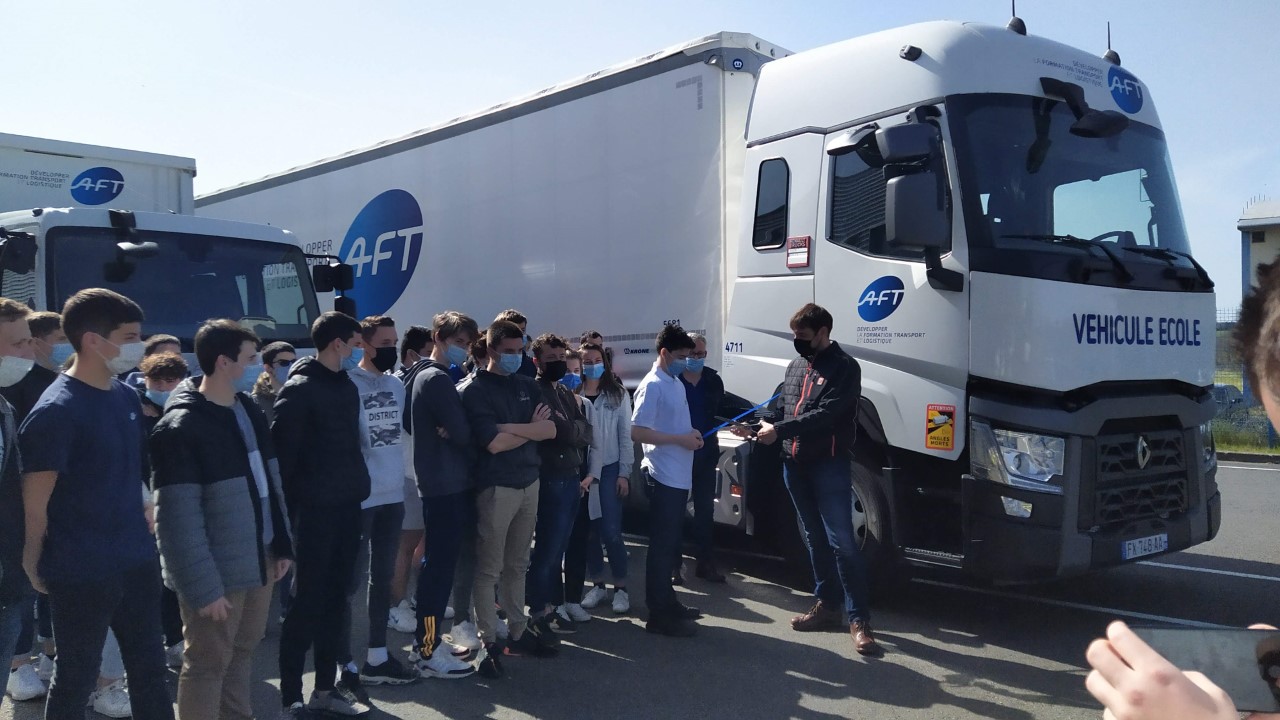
x=881, y=298
x=1125, y=89
x=382, y=247
x=97, y=186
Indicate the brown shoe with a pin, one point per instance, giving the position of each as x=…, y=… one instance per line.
x=819, y=617
x=863, y=641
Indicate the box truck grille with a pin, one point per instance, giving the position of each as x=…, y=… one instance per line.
x=1139, y=475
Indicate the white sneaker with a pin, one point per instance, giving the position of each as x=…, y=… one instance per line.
x=621, y=602
x=24, y=684
x=442, y=664
x=574, y=612
x=464, y=634
x=449, y=614
x=402, y=618
x=173, y=655
x=112, y=700
x=594, y=597
x=47, y=666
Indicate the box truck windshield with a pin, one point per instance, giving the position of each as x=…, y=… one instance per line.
x=181, y=280
x=1040, y=201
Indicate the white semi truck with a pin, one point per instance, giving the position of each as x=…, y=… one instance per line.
x=74, y=216
x=990, y=217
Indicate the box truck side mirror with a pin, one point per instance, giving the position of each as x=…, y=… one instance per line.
x=17, y=252
x=910, y=143
x=916, y=212
x=331, y=277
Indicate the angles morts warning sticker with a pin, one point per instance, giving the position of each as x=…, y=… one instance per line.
x=940, y=428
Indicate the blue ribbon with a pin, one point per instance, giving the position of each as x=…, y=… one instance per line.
x=724, y=425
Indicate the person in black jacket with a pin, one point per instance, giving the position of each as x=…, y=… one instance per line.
x=442, y=455
x=220, y=519
x=527, y=368
x=820, y=405
x=16, y=595
x=705, y=390
x=317, y=436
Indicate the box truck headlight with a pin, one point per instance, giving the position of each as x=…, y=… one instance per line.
x=1024, y=460
x=1210, y=447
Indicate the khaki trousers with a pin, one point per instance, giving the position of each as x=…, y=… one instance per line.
x=506, y=518
x=218, y=659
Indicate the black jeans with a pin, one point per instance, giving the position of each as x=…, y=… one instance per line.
x=446, y=520
x=666, y=527
x=704, y=505
x=380, y=528
x=327, y=541
x=170, y=617
x=127, y=601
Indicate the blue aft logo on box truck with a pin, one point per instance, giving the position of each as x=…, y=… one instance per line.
x=1125, y=89
x=382, y=247
x=881, y=298
x=97, y=185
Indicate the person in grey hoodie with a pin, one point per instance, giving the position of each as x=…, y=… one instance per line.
x=382, y=513
x=221, y=524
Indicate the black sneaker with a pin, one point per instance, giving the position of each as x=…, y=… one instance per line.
x=545, y=630
x=671, y=626
x=531, y=642
x=391, y=672
x=349, y=684
x=686, y=612
x=490, y=666
x=562, y=625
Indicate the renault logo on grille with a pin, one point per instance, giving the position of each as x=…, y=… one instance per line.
x=1144, y=453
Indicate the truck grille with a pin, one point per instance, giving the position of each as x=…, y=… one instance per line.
x=1140, y=475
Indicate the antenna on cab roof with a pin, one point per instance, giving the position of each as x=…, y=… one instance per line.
x=1015, y=22
x=1110, y=55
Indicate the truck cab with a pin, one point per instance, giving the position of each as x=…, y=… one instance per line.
x=992, y=220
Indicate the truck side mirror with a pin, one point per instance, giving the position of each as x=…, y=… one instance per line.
x=345, y=305
x=18, y=253
x=912, y=142
x=322, y=278
x=344, y=277
x=331, y=277
x=916, y=212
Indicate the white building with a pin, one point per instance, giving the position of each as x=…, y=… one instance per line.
x=1259, y=239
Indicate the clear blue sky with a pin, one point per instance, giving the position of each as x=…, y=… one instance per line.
x=250, y=88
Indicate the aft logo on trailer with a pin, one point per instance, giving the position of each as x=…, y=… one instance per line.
x=1125, y=89
x=382, y=247
x=881, y=298
x=97, y=186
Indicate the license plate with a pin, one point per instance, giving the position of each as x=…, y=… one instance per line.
x=1145, y=546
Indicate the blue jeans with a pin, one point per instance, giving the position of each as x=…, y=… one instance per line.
x=609, y=529
x=703, y=495
x=11, y=618
x=558, y=498
x=447, y=519
x=666, y=530
x=822, y=492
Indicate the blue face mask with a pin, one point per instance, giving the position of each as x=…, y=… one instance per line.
x=573, y=381
x=282, y=375
x=676, y=366
x=457, y=356
x=510, y=364
x=593, y=371
x=695, y=365
x=352, y=361
x=159, y=397
x=60, y=354
x=245, y=382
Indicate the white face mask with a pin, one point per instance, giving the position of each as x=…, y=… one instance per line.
x=128, y=359
x=13, y=369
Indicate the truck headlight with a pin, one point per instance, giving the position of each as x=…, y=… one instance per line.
x=1210, y=459
x=1025, y=460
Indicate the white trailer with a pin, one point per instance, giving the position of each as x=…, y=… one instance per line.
x=989, y=216
x=88, y=216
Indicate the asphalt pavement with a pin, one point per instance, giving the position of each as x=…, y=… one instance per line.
x=954, y=649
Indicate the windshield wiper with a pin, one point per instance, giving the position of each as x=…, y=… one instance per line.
x=1073, y=241
x=1168, y=255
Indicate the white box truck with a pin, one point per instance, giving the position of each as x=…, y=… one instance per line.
x=74, y=216
x=989, y=216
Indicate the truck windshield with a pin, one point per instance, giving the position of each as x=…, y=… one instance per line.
x=181, y=280
x=1037, y=199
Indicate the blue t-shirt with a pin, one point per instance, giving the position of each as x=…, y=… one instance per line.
x=94, y=440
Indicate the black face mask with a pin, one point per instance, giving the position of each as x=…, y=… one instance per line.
x=555, y=370
x=804, y=348
x=384, y=358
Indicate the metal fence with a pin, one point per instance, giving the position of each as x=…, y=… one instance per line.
x=1241, y=423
